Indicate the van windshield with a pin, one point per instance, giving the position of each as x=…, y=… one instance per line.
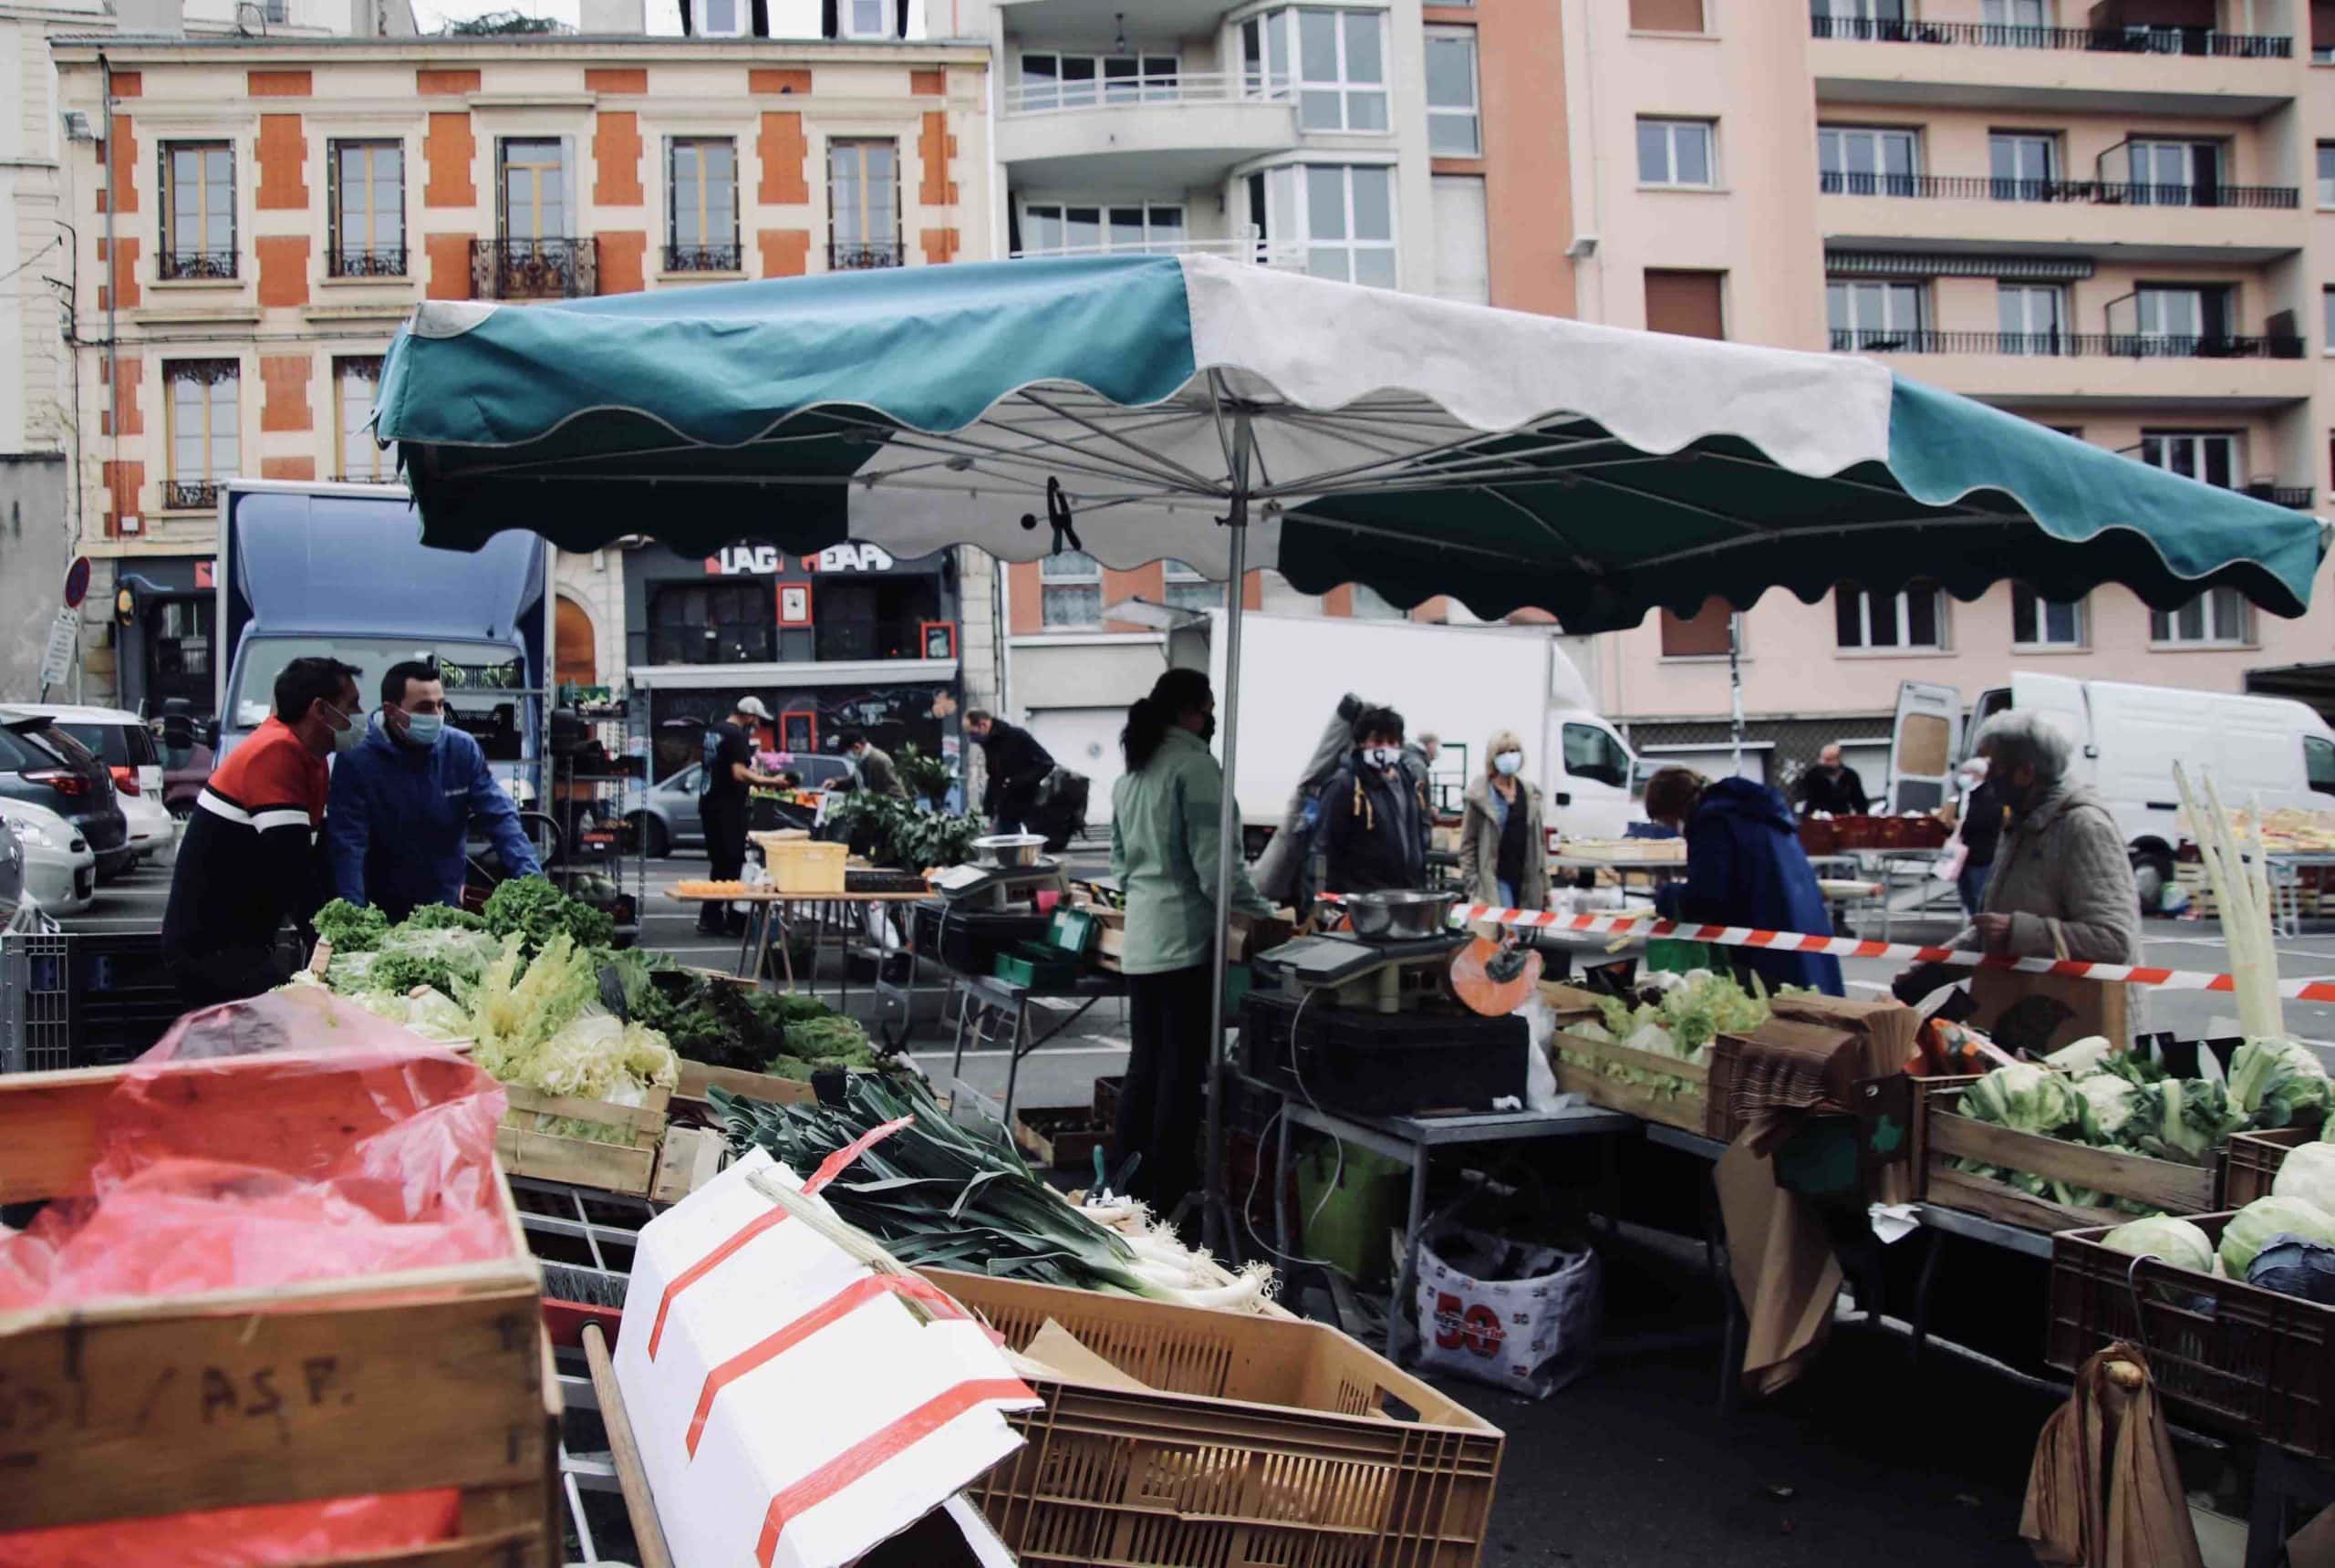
x=485, y=682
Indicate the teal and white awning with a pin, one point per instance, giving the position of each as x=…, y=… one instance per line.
x=1413, y=444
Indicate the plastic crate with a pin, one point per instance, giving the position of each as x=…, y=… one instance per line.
x=1256, y=1441
x=2259, y=1360
x=35, y=1004
x=2250, y=1162
x=969, y=940
x=803, y=865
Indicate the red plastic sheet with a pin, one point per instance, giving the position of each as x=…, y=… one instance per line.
x=286, y=1139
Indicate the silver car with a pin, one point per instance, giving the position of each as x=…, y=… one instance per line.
x=670, y=820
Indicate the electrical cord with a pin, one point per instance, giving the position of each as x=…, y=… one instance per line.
x=1249, y=1205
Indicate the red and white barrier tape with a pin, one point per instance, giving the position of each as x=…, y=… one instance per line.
x=1850, y=947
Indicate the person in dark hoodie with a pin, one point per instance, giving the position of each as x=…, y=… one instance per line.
x=1374, y=813
x=1744, y=867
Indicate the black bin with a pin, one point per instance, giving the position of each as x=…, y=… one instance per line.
x=1384, y=1063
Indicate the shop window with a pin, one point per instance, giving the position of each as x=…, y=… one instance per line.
x=874, y=618
x=712, y=623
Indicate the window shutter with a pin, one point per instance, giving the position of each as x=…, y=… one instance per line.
x=1685, y=302
x=1666, y=15
x=1703, y=635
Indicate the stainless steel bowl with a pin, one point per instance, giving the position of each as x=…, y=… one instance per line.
x=1400, y=916
x=1010, y=848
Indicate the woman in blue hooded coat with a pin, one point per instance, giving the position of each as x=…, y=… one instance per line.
x=1744, y=867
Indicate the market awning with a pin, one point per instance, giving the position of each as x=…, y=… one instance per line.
x=1412, y=444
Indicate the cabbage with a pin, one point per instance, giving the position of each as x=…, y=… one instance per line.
x=2082, y=1058
x=2183, y=1119
x=2308, y=1173
x=2294, y=1268
x=2023, y=1097
x=2106, y=1109
x=2279, y=1082
x=2177, y=1241
x=2250, y=1230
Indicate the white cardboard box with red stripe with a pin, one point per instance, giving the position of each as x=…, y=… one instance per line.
x=794, y=1406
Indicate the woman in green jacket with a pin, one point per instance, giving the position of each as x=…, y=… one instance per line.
x=1165, y=853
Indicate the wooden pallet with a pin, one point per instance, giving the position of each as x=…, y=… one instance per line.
x=130, y=1408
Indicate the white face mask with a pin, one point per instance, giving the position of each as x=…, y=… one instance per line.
x=1382, y=756
x=1508, y=764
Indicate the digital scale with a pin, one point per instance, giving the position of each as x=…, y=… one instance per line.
x=1395, y=976
x=996, y=887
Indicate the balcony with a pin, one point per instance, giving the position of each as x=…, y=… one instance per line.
x=2295, y=496
x=704, y=258
x=543, y=268
x=2139, y=68
x=1173, y=131
x=2140, y=223
x=864, y=255
x=1287, y=255
x=366, y=261
x=189, y=495
x=2103, y=192
x=2108, y=370
x=178, y=265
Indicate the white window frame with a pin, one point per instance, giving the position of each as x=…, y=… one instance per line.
x=703, y=15
x=1894, y=294
x=382, y=230
x=2018, y=338
x=885, y=26
x=1155, y=240
x=2153, y=192
x=2036, y=636
x=362, y=460
x=1288, y=219
x=709, y=212
x=2159, y=448
x=1899, y=608
x=1179, y=583
x=1671, y=127
x=1470, y=113
x=1069, y=569
x=1879, y=179
x=2021, y=143
x=215, y=395
x=2228, y=622
x=1099, y=88
x=2325, y=154
x=1281, y=72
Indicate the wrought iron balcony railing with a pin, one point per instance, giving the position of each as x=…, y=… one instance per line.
x=2068, y=345
x=190, y=494
x=2141, y=39
x=177, y=264
x=546, y=268
x=2104, y=193
x=366, y=261
x=703, y=258
x=857, y=256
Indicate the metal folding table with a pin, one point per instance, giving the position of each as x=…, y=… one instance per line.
x=1004, y=998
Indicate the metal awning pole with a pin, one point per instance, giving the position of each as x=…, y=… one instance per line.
x=1216, y=1228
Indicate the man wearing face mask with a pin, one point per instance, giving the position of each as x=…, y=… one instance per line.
x=248, y=860
x=405, y=803
x=1374, y=819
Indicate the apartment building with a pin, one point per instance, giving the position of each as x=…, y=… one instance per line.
x=39, y=433
x=2114, y=219
x=265, y=213
x=1383, y=142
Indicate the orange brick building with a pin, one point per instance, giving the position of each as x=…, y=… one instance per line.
x=262, y=213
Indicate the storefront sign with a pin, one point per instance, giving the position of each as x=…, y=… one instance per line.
x=769, y=560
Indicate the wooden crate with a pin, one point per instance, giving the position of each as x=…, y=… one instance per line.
x=697, y=1077
x=1062, y=1137
x=132, y=1407
x=629, y=1168
x=687, y=1159
x=1943, y=1135
x=1689, y=1109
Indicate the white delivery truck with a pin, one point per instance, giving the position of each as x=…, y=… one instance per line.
x=1459, y=682
x=2126, y=739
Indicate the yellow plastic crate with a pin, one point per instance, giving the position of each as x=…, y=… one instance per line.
x=801, y=866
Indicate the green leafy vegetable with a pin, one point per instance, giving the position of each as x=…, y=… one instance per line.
x=2279, y=1082
x=2177, y=1241
x=2024, y=1097
x=2184, y=1119
x=2250, y=1230
x=434, y=916
x=349, y=929
x=532, y=909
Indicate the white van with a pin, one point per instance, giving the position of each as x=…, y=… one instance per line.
x=2126, y=739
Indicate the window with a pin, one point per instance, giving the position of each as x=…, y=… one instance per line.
x=1913, y=619
x=1451, y=126
x=1081, y=81
x=533, y=188
x=198, y=210
x=1667, y=16
x=1867, y=13
x=1690, y=303
x=2039, y=622
x=1874, y=316
x=2327, y=174
x=1707, y=633
x=864, y=18
x=2025, y=165
x=702, y=206
x=2208, y=455
x=1675, y=152
x=2326, y=320
x=2179, y=322
x=712, y=623
x=1859, y=161
x=2033, y=317
x=863, y=205
x=871, y=617
x=1463, y=266
x=2218, y=617
x=1593, y=752
x=2017, y=13
x=2176, y=173
x=1186, y=589
x=205, y=447
x=1336, y=60
x=2318, y=763
x=368, y=209
x=722, y=18
x=1052, y=228
x=1343, y=214
x=355, y=383
x=1070, y=591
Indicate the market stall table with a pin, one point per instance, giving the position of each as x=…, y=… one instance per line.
x=1006, y=998
x=1413, y=1141
x=767, y=915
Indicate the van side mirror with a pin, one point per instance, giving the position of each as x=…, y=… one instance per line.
x=211, y=734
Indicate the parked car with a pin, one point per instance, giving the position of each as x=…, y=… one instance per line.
x=120, y=740
x=47, y=767
x=670, y=820
x=56, y=867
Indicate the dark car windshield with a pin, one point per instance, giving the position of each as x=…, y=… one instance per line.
x=42, y=747
x=116, y=745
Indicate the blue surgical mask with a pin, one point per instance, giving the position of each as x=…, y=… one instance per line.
x=422, y=729
x=1509, y=762
x=350, y=737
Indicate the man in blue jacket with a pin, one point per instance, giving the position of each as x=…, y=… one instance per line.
x=403, y=804
x=1744, y=867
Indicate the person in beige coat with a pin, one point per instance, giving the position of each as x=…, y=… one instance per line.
x=1503, y=853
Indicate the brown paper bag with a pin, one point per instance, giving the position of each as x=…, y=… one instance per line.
x=2093, y=1006
x=1782, y=1264
x=2104, y=1491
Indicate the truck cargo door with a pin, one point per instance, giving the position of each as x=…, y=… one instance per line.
x=1924, y=743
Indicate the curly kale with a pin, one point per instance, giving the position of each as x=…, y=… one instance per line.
x=536, y=912
x=350, y=930
x=431, y=917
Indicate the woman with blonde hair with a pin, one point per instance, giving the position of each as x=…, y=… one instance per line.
x=1503, y=853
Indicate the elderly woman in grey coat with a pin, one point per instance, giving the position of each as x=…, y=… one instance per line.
x=2061, y=877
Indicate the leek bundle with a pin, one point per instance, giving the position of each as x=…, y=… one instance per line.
x=2243, y=888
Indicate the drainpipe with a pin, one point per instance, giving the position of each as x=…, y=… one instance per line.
x=113, y=290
